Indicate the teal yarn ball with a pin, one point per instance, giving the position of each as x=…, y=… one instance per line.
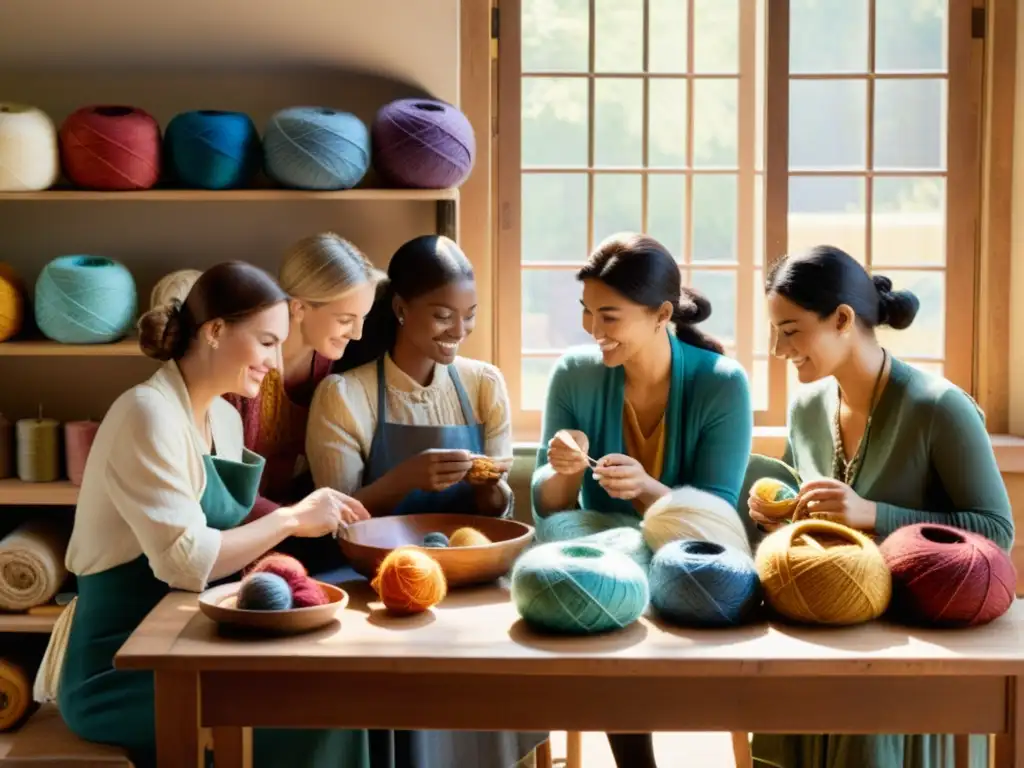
x=572, y=588
x=263, y=591
x=627, y=541
x=211, y=149
x=702, y=584
x=85, y=300
x=316, y=148
x=435, y=539
x=576, y=523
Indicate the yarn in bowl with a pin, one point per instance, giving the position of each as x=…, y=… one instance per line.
x=423, y=144
x=946, y=577
x=111, y=148
x=29, y=153
x=85, y=300
x=573, y=588
x=220, y=604
x=212, y=149
x=316, y=148
x=820, y=572
x=692, y=513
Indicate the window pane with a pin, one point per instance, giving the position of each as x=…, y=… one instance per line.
x=618, y=121
x=667, y=36
x=667, y=125
x=827, y=210
x=554, y=226
x=720, y=289
x=926, y=336
x=714, y=123
x=555, y=35
x=554, y=122
x=716, y=27
x=910, y=35
x=815, y=46
x=762, y=338
x=910, y=124
x=536, y=373
x=619, y=35
x=714, y=217
x=552, y=317
x=827, y=121
x=617, y=204
x=759, y=386
x=908, y=223
x=666, y=211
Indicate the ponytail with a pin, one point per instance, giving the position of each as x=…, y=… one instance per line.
x=693, y=308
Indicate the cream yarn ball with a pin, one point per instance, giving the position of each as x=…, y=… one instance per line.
x=176, y=285
x=29, y=158
x=692, y=513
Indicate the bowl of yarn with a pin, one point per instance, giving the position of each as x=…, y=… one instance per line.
x=470, y=549
x=275, y=595
x=409, y=581
x=820, y=572
x=777, y=500
x=946, y=577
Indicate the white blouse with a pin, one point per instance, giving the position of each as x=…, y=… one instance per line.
x=343, y=414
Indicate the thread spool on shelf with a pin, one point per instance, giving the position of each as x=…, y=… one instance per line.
x=85, y=300
x=212, y=149
x=78, y=439
x=111, y=148
x=173, y=286
x=423, y=144
x=38, y=442
x=316, y=148
x=29, y=155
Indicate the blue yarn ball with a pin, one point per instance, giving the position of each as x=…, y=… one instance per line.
x=700, y=583
x=574, y=588
x=435, y=539
x=211, y=149
x=316, y=148
x=85, y=300
x=264, y=591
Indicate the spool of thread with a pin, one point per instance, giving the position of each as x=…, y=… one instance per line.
x=690, y=513
x=628, y=541
x=264, y=592
x=409, y=581
x=173, y=286
x=435, y=539
x=38, y=450
x=316, y=148
x=468, y=537
x=820, y=572
x=572, y=588
x=703, y=584
x=946, y=577
x=111, y=148
x=212, y=149
x=307, y=593
x=12, y=302
x=85, y=300
x=423, y=143
x=78, y=438
x=778, y=500
x=7, y=448
x=29, y=157
x=15, y=694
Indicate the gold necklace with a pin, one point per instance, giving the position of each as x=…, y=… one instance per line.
x=842, y=469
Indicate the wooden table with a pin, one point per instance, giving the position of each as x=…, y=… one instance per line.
x=482, y=669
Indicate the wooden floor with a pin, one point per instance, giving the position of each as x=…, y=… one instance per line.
x=673, y=750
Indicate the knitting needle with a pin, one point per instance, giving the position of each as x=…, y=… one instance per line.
x=567, y=439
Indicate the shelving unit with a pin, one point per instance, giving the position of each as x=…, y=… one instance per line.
x=232, y=195
x=24, y=622
x=45, y=348
x=17, y=493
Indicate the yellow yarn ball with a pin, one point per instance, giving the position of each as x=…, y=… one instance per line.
x=777, y=499
x=12, y=302
x=691, y=513
x=820, y=572
x=467, y=537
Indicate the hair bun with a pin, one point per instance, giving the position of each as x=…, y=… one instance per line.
x=693, y=307
x=161, y=332
x=882, y=284
x=897, y=309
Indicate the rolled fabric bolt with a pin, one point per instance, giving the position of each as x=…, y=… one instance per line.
x=78, y=437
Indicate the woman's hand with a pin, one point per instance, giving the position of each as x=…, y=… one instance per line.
x=829, y=499
x=563, y=459
x=323, y=512
x=492, y=499
x=435, y=469
x=623, y=477
x=759, y=514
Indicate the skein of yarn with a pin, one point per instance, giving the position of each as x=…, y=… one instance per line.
x=700, y=583
x=12, y=302
x=409, y=581
x=29, y=155
x=38, y=450
x=691, y=513
x=468, y=537
x=85, y=300
x=572, y=588
x=111, y=147
x=423, y=143
x=307, y=593
x=173, y=286
x=212, y=149
x=435, y=539
x=7, y=450
x=316, y=148
x=264, y=592
x=78, y=437
x=946, y=577
x=820, y=572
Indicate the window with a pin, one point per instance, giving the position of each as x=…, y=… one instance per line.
x=734, y=131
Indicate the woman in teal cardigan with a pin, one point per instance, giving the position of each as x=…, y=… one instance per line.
x=658, y=411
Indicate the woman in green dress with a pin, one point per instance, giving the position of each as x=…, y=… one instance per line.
x=167, y=485
x=877, y=444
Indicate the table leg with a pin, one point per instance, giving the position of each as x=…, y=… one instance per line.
x=232, y=747
x=1009, y=746
x=177, y=720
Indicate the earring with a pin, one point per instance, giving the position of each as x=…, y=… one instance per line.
x=401, y=320
x=213, y=343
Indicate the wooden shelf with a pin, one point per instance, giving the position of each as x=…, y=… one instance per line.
x=46, y=348
x=15, y=493
x=24, y=622
x=231, y=195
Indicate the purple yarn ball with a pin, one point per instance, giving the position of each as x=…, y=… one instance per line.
x=423, y=144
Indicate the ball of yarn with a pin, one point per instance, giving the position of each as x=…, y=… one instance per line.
x=12, y=302
x=307, y=593
x=820, y=572
x=946, y=577
x=778, y=499
x=575, y=523
x=409, y=581
x=211, y=149
x=628, y=541
x=691, y=513
x=264, y=592
x=468, y=537
x=700, y=583
x=572, y=588
x=285, y=566
x=423, y=143
x=316, y=148
x=435, y=539
x=29, y=155
x=85, y=300
x=173, y=286
x=111, y=148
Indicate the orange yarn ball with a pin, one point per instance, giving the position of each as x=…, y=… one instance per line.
x=410, y=581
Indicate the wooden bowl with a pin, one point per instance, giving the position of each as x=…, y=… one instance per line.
x=367, y=542
x=219, y=604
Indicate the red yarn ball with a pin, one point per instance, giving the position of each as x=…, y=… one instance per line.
x=285, y=566
x=947, y=577
x=307, y=593
x=111, y=148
